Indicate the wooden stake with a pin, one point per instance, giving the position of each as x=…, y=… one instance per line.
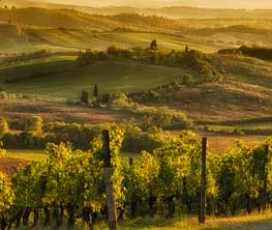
x=264, y=190
x=109, y=170
x=202, y=210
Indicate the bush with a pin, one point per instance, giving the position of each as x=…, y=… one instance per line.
x=3, y=95
x=24, y=140
x=136, y=140
x=34, y=124
x=2, y=151
x=166, y=118
x=4, y=127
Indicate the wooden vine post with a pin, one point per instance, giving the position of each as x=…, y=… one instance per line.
x=265, y=178
x=203, y=183
x=112, y=215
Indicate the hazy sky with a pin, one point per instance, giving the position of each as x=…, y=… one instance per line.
x=200, y=3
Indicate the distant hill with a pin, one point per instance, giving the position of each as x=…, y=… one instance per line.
x=182, y=9
x=34, y=28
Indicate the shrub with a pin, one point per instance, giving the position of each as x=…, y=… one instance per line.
x=3, y=95
x=2, y=151
x=34, y=124
x=136, y=140
x=4, y=127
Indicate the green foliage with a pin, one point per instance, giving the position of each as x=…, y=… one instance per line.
x=120, y=53
x=167, y=178
x=90, y=57
x=153, y=45
x=4, y=127
x=25, y=57
x=162, y=117
x=200, y=63
x=2, y=150
x=166, y=118
x=34, y=124
x=136, y=140
x=84, y=97
x=95, y=91
x=3, y=95
x=257, y=52
x=195, y=60
x=6, y=194
x=28, y=185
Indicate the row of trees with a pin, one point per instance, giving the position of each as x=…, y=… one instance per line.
x=188, y=58
x=165, y=182
x=264, y=53
x=27, y=57
x=34, y=133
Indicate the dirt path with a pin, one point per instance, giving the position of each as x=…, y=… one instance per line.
x=9, y=165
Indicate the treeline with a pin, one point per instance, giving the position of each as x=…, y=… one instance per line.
x=160, y=92
x=194, y=60
x=34, y=133
x=159, y=117
x=256, y=52
x=164, y=182
x=26, y=57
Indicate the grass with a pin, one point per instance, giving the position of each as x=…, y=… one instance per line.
x=242, y=222
x=40, y=155
x=220, y=143
x=207, y=36
x=74, y=40
x=28, y=155
x=65, y=79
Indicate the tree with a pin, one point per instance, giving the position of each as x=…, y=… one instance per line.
x=153, y=45
x=186, y=49
x=34, y=124
x=28, y=185
x=95, y=91
x=4, y=128
x=6, y=196
x=2, y=151
x=84, y=98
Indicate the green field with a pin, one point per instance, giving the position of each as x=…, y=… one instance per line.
x=74, y=40
x=28, y=155
x=65, y=79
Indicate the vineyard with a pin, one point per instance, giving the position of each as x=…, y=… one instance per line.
x=69, y=188
x=125, y=118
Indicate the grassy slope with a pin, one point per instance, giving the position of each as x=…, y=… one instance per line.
x=65, y=79
x=244, y=91
x=16, y=39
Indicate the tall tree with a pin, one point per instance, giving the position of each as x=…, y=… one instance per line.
x=153, y=44
x=95, y=91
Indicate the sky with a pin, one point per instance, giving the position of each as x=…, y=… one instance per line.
x=151, y=3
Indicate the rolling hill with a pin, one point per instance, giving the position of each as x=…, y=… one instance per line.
x=24, y=30
x=243, y=91
x=66, y=79
x=244, y=86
